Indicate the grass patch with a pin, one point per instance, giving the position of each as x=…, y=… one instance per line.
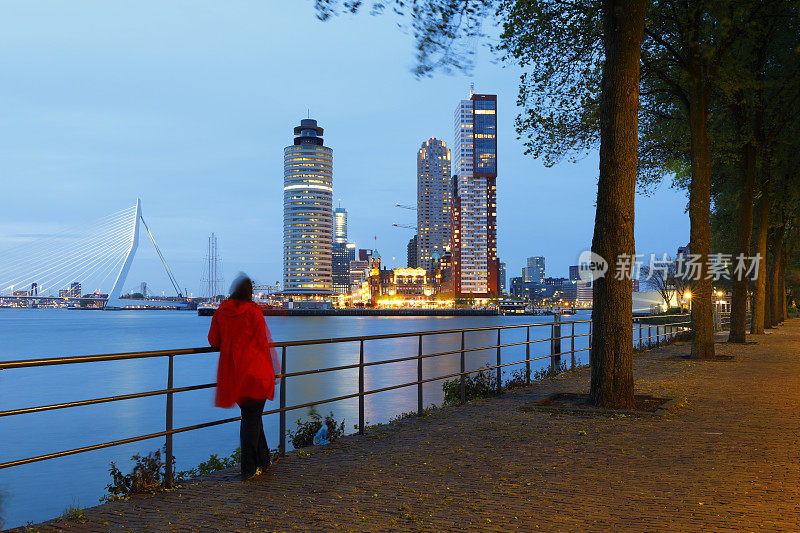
x=75, y=514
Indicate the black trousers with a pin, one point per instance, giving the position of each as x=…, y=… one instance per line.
x=255, y=452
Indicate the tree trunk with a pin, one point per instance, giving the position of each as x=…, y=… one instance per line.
x=768, y=308
x=741, y=283
x=760, y=284
x=612, y=316
x=700, y=213
x=776, y=316
x=782, y=278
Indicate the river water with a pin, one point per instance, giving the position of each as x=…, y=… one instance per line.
x=43, y=490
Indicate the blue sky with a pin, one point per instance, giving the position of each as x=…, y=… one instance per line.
x=188, y=105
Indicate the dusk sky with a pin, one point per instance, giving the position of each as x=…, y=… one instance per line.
x=189, y=104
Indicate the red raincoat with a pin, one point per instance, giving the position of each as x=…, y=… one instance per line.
x=247, y=360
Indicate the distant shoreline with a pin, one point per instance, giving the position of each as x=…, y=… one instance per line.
x=370, y=312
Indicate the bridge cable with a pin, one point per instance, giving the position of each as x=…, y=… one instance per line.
x=163, y=261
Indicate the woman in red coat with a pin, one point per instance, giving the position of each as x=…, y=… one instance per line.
x=247, y=368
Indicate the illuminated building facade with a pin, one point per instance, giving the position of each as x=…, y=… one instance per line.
x=358, y=274
x=307, y=213
x=534, y=270
x=75, y=289
x=343, y=253
x=433, y=202
x=340, y=225
x=474, y=207
x=443, y=279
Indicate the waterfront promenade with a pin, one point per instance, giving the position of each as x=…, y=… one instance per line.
x=726, y=456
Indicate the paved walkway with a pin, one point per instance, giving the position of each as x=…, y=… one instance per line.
x=725, y=458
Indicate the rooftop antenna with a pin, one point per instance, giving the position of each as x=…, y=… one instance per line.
x=471, y=89
x=308, y=112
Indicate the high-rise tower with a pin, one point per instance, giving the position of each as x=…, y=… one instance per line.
x=307, y=212
x=474, y=207
x=534, y=270
x=340, y=225
x=433, y=202
x=343, y=253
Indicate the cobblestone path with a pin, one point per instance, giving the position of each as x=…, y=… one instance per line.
x=725, y=457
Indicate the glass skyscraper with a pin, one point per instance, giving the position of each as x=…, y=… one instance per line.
x=474, y=207
x=433, y=202
x=340, y=224
x=534, y=270
x=307, y=213
x=343, y=253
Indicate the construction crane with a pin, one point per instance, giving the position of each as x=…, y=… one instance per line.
x=406, y=226
x=403, y=206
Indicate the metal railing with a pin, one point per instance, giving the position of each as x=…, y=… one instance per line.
x=666, y=328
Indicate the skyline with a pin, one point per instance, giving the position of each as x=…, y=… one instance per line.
x=195, y=126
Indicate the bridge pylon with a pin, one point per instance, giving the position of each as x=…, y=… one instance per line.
x=119, y=282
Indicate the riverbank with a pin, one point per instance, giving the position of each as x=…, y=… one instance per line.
x=724, y=457
x=368, y=312
x=380, y=312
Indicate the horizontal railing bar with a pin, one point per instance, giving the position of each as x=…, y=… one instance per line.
x=208, y=349
x=148, y=436
x=120, y=442
x=106, y=399
x=401, y=359
x=273, y=411
x=302, y=373
x=190, y=351
x=23, y=363
x=417, y=334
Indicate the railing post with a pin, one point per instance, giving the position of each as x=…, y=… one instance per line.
x=590, y=343
x=555, y=343
x=658, y=334
x=282, y=440
x=463, y=378
x=572, y=347
x=649, y=334
x=168, y=470
x=499, y=362
x=640, y=333
x=361, y=388
x=528, y=356
x=420, y=408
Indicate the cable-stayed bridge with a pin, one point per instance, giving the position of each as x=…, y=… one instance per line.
x=86, y=263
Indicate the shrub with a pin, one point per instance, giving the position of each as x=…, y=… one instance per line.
x=147, y=476
x=307, y=428
x=213, y=464
x=516, y=380
x=480, y=384
x=549, y=371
